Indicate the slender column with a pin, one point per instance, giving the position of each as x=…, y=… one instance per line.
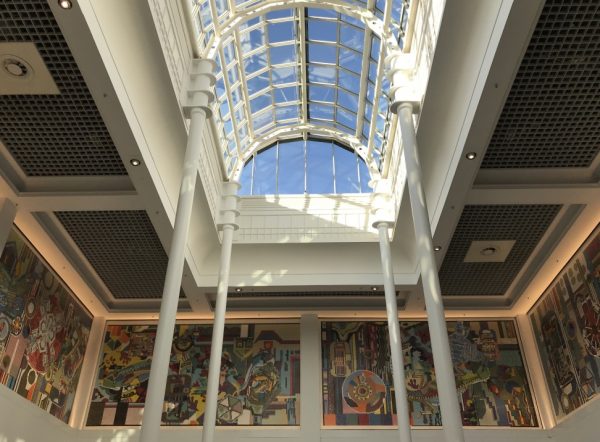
x=197, y=107
x=402, y=411
x=228, y=225
x=444, y=369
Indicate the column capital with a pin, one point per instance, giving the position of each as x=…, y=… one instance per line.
x=382, y=204
x=198, y=87
x=400, y=70
x=228, y=209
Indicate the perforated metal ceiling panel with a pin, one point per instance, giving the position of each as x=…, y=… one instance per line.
x=122, y=247
x=551, y=117
x=52, y=135
x=525, y=224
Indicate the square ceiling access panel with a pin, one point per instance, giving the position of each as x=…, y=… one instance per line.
x=524, y=224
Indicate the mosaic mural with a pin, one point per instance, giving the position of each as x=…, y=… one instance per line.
x=43, y=330
x=566, y=323
x=260, y=375
x=357, y=380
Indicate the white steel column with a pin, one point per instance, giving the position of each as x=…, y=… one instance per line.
x=197, y=108
x=404, y=102
x=228, y=224
x=402, y=410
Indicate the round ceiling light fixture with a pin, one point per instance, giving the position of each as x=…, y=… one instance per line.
x=471, y=155
x=437, y=248
x=374, y=288
x=15, y=67
x=135, y=162
x=65, y=4
x=238, y=289
x=489, y=251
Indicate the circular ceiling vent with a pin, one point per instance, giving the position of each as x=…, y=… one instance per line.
x=16, y=67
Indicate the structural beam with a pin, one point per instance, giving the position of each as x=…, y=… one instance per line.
x=197, y=107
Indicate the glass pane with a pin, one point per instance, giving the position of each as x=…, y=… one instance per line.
x=352, y=37
x=321, y=74
x=320, y=12
x=321, y=93
x=257, y=83
x=285, y=94
x=283, y=54
x=246, y=179
x=351, y=60
x=321, y=53
x=286, y=112
x=319, y=167
x=285, y=75
x=348, y=100
x=264, y=172
x=320, y=111
x=282, y=13
x=346, y=171
x=291, y=167
x=319, y=30
x=284, y=31
x=255, y=62
x=349, y=81
x=365, y=177
x=261, y=102
x=346, y=118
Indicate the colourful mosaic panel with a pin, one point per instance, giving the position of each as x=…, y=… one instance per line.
x=43, y=330
x=260, y=375
x=357, y=375
x=566, y=323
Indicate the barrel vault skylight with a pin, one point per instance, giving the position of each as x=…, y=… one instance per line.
x=301, y=70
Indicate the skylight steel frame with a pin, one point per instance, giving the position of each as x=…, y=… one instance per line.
x=226, y=27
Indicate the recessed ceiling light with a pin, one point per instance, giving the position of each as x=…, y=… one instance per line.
x=374, y=289
x=15, y=68
x=65, y=4
x=238, y=289
x=437, y=248
x=135, y=162
x=488, y=251
x=471, y=155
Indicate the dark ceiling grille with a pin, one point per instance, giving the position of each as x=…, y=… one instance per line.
x=123, y=249
x=552, y=115
x=525, y=224
x=52, y=135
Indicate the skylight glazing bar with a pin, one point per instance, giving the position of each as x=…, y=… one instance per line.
x=234, y=122
x=303, y=56
x=378, y=82
x=364, y=79
x=244, y=84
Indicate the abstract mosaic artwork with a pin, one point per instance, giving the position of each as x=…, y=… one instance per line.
x=260, y=375
x=566, y=323
x=43, y=330
x=357, y=375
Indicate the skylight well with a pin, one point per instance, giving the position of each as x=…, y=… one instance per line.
x=291, y=71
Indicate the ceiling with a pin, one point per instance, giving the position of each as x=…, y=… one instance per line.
x=105, y=224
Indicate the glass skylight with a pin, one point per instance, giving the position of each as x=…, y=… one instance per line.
x=313, y=166
x=312, y=70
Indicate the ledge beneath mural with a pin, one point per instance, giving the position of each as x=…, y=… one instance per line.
x=43, y=330
x=259, y=383
x=488, y=367
x=566, y=323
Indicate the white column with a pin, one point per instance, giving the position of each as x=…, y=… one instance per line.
x=228, y=224
x=8, y=212
x=444, y=369
x=310, y=377
x=197, y=107
x=402, y=410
